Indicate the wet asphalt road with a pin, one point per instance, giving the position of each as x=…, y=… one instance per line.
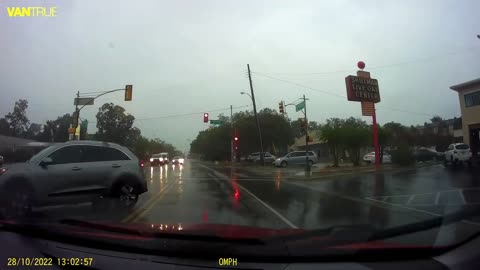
x=204, y=193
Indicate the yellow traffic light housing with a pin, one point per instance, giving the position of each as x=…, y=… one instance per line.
x=128, y=92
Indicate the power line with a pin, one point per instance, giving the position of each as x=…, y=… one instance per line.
x=338, y=95
x=422, y=59
x=185, y=114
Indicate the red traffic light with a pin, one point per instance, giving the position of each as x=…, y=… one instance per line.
x=280, y=107
x=205, y=117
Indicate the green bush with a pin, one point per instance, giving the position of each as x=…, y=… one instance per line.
x=403, y=156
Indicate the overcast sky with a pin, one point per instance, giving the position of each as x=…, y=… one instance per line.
x=191, y=56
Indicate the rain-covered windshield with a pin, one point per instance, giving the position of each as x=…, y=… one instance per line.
x=342, y=97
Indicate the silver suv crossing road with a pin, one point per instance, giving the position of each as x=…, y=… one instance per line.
x=72, y=172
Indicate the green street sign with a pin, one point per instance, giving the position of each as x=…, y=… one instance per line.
x=216, y=122
x=300, y=106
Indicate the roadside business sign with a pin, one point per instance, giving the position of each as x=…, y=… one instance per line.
x=368, y=108
x=365, y=89
x=362, y=89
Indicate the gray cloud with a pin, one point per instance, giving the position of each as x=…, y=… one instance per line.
x=191, y=56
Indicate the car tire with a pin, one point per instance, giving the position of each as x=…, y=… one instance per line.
x=283, y=164
x=125, y=193
x=17, y=201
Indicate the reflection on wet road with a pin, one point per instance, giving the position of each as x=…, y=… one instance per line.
x=196, y=193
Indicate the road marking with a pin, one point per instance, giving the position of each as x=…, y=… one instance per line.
x=462, y=196
x=423, y=211
x=150, y=206
x=437, y=198
x=409, y=199
x=141, y=209
x=275, y=212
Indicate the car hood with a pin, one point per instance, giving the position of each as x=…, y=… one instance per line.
x=17, y=168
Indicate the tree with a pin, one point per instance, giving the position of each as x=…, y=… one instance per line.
x=5, y=127
x=33, y=131
x=295, y=125
x=18, y=120
x=114, y=125
x=214, y=143
x=331, y=133
x=384, y=140
x=56, y=130
x=355, y=135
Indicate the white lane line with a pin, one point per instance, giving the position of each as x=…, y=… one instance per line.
x=410, y=199
x=437, y=198
x=460, y=192
x=275, y=212
x=423, y=211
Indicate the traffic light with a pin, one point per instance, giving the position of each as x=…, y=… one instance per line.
x=205, y=117
x=235, y=142
x=280, y=107
x=128, y=92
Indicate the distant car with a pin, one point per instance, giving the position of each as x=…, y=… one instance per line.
x=178, y=160
x=256, y=156
x=370, y=158
x=425, y=154
x=1, y=160
x=72, y=172
x=295, y=158
x=458, y=153
x=159, y=159
x=269, y=158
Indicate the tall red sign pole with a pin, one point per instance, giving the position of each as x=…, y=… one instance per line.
x=365, y=89
x=375, y=138
x=366, y=75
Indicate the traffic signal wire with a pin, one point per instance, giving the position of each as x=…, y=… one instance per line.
x=412, y=61
x=338, y=95
x=186, y=114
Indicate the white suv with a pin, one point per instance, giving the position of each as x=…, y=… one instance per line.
x=458, y=153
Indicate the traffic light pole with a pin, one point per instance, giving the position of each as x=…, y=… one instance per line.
x=77, y=110
x=307, y=165
x=256, y=117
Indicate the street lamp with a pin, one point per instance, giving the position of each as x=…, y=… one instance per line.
x=258, y=126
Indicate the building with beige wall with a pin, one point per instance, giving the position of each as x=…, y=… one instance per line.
x=469, y=96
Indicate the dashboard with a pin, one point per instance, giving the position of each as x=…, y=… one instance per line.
x=21, y=252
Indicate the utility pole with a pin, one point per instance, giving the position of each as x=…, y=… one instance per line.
x=307, y=165
x=75, y=117
x=232, y=154
x=256, y=117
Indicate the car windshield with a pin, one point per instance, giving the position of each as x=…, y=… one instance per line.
x=366, y=112
x=37, y=157
x=462, y=147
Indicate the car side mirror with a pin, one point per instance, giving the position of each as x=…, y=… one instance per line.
x=46, y=161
